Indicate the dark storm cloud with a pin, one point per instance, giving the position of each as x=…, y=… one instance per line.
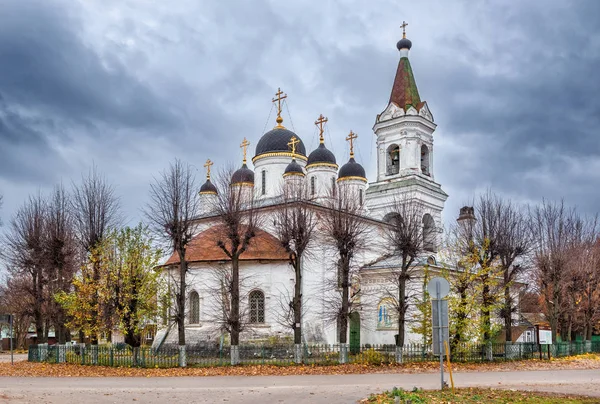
x=132, y=85
x=46, y=66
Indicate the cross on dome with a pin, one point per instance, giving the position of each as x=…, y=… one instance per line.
x=244, y=146
x=403, y=26
x=292, y=144
x=279, y=96
x=207, y=165
x=320, y=122
x=350, y=139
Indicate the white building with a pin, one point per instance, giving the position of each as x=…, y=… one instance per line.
x=405, y=166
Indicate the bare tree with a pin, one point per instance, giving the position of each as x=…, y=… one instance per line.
x=295, y=223
x=556, y=229
x=15, y=298
x=60, y=255
x=237, y=222
x=514, y=242
x=346, y=231
x=24, y=252
x=174, y=204
x=582, y=285
x=95, y=213
x=410, y=233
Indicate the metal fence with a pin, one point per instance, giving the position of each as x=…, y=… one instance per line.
x=264, y=354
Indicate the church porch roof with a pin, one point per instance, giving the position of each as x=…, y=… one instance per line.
x=203, y=248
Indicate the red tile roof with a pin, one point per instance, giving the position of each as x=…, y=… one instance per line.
x=203, y=247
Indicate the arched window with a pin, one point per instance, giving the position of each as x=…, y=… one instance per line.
x=333, y=187
x=392, y=218
x=360, y=197
x=428, y=233
x=257, y=307
x=386, y=313
x=313, y=185
x=393, y=160
x=425, y=160
x=194, y=308
x=264, y=182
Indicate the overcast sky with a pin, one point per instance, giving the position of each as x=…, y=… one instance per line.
x=130, y=85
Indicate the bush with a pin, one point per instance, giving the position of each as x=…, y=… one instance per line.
x=370, y=357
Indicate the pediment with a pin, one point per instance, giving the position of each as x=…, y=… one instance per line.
x=392, y=111
x=425, y=112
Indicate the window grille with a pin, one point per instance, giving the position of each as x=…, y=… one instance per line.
x=194, y=308
x=257, y=307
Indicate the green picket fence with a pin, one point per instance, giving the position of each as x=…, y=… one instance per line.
x=265, y=354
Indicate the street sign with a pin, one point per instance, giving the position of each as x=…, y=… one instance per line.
x=6, y=318
x=434, y=283
x=436, y=306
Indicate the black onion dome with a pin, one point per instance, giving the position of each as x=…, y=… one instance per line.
x=351, y=169
x=277, y=140
x=243, y=175
x=321, y=155
x=293, y=169
x=208, y=188
x=404, y=44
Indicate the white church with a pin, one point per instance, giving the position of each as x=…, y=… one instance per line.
x=405, y=156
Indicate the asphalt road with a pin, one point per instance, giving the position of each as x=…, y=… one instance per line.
x=274, y=389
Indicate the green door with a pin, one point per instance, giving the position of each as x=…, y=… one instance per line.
x=354, y=333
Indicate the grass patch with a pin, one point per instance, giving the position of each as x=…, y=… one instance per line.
x=475, y=395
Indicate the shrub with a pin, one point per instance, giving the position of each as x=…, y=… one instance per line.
x=370, y=357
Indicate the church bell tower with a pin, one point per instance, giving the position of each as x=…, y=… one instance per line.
x=405, y=151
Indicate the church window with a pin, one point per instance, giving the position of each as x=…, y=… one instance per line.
x=264, y=181
x=257, y=307
x=386, y=313
x=333, y=190
x=425, y=160
x=393, y=160
x=428, y=233
x=194, y=308
x=313, y=185
x=360, y=197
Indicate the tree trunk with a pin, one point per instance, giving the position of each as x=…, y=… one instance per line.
x=485, y=312
x=235, y=300
x=343, y=331
x=297, y=304
x=37, y=308
x=95, y=303
x=507, y=310
x=181, y=298
x=401, y=308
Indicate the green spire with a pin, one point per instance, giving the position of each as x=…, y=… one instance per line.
x=404, y=92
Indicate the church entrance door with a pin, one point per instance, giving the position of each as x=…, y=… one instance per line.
x=354, y=333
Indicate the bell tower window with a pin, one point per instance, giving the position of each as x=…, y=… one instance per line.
x=425, y=160
x=393, y=160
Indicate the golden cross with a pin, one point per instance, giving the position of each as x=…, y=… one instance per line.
x=351, y=138
x=207, y=166
x=244, y=146
x=279, y=96
x=292, y=144
x=403, y=26
x=320, y=122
